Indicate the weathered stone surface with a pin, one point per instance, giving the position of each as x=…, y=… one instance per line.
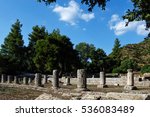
x=127, y=87
x=25, y=80
x=67, y=81
x=29, y=80
x=81, y=80
x=102, y=80
x=146, y=76
x=128, y=96
x=9, y=79
x=16, y=80
x=90, y=97
x=46, y=96
x=130, y=81
x=55, y=81
x=44, y=81
x=130, y=78
x=38, y=78
x=116, y=84
x=3, y=78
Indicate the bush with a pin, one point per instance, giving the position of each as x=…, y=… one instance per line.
x=145, y=69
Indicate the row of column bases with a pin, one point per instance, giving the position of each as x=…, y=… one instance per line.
x=81, y=80
x=16, y=80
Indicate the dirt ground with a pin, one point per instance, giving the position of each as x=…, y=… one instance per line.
x=27, y=93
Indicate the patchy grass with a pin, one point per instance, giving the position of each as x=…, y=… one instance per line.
x=13, y=93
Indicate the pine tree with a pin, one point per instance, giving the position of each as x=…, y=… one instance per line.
x=38, y=34
x=115, y=55
x=12, y=49
x=116, y=49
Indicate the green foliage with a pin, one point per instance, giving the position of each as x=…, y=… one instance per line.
x=140, y=52
x=115, y=57
x=47, y=2
x=38, y=34
x=126, y=64
x=91, y=58
x=12, y=49
x=90, y=3
x=55, y=52
x=85, y=51
x=116, y=50
x=98, y=60
x=140, y=12
x=145, y=69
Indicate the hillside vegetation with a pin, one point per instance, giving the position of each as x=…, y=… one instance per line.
x=139, y=52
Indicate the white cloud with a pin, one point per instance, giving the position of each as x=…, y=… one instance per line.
x=141, y=30
x=72, y=13
x=87, y=17
x=119, y=27
x=114, y=18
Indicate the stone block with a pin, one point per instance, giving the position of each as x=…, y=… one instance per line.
x=128, y=96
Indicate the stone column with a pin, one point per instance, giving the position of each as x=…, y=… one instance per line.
x=44, y=79
x=3, y=78
x=130, y=81
x=38, y=79
x=29, y=80
x=81, y=80
x=55, y=81
x=102, y=80
x=16, y=81
x=67, y=81
x=25, y=80
x=9, y=79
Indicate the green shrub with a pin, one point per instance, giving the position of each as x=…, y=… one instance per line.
x=145, y=69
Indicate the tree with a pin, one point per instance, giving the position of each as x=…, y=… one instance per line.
x=140, y=11
x=126, y=64
x=90, y=3
x=85, y=51
x=12, y=49
x=115, y=56
x=55, y=52
x=116, y=50
x=38, y=33
x=92, y=59
x=98, y=60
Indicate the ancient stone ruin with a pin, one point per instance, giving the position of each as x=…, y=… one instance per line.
x=79, y=87
x=130, y=81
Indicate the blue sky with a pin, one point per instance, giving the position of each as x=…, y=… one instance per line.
x=73, y=19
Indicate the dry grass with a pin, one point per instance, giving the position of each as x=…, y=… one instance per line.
x=13, y=93
x=18, y=93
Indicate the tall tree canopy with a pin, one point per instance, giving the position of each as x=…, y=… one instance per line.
x=91, y=58
x=85, y=51
x=55, y=52
x=116, y=49
x=115, y=56
x=38, y=33
x=141, y=10
x=12, y=49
